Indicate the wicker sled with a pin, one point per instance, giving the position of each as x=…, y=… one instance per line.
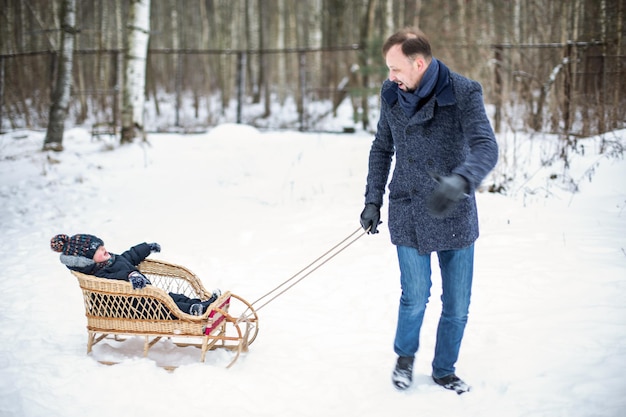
x=113, y=308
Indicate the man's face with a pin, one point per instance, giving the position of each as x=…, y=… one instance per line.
x=404, y=71
x=101, y=255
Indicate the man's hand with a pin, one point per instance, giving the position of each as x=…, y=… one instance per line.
x=449, y=192
x=370, y=218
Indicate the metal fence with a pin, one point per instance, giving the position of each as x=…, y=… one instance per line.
x=573, y=88
x=185, y=89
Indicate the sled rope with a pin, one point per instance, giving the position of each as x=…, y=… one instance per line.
x=305, y=272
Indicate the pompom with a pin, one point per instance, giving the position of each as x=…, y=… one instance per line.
x=77, y=245
x=58, y=242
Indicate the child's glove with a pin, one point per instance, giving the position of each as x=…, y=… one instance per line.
x=138, y=280
x=154, y=247
x=196, y=309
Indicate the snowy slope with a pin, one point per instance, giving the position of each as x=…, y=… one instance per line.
x=245, y=210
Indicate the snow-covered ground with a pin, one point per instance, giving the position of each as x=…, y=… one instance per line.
x=246, y=210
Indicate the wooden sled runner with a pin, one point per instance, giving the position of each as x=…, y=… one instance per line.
x=113, y=308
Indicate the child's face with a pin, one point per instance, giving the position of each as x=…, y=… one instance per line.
x=101, y=255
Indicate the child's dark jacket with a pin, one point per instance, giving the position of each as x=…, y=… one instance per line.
x=118, y=267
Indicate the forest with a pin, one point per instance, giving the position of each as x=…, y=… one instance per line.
x=545, y=66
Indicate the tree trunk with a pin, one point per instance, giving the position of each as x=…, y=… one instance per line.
x=61, y=95
x=119, y=63
x=178, y=77
x=263, y=80
x=364, y=61
x=138, y=28
x=412, y=12
x=618, y=93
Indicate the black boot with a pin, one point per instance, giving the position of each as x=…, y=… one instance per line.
x=403, y=373
x=452, y=382
x=212, y=299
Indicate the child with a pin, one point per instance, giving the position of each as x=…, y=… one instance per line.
x=87, y=254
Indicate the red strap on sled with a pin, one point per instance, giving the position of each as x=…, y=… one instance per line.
x=216, y=317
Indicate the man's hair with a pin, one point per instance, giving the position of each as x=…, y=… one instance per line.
x=413, y=42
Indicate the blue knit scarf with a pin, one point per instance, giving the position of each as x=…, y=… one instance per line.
x=411, y=101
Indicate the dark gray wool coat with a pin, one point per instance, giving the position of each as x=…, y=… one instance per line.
x=449, y=134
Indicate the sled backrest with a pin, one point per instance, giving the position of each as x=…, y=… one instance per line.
x=173, y=278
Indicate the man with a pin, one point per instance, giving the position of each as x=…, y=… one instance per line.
x=434, y=121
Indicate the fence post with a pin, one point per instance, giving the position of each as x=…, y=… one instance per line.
x=498, y=88
x=567, y=86
x=1, y=90
x=241, y=82
x=119, y=73
x=178, y=82
x=302, y=73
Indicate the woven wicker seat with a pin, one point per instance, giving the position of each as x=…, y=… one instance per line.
x=114, y=308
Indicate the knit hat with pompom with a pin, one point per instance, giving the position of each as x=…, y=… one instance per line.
x=77, y=245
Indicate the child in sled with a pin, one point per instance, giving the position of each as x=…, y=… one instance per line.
x=87, y=254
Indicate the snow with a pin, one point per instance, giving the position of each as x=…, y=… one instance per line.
x=245, y=210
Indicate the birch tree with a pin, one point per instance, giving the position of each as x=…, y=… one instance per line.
x=138, y=35
x=61, y=94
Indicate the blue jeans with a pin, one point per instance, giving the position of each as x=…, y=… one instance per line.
x=456, y=274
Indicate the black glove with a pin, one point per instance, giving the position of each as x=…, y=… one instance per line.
x=370, y=218
x=196, y=309
x=138, y=280
x=449, y=192
x=154, y=247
